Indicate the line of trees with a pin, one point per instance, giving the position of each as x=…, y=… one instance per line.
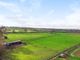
x=18, y=29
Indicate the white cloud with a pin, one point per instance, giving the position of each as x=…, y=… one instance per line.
x=72, y=20
x=6, y=19
x=6, y=22
x=10, y=6
x=22, y=18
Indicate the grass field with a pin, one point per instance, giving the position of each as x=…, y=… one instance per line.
x=41, y=46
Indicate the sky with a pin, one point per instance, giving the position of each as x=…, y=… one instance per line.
x=40, y=13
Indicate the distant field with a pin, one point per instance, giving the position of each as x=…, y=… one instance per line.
x=41, y=46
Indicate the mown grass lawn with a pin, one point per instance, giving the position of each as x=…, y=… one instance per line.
x=41, y=46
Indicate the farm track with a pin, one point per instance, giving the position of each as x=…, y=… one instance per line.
x=77, y=53
x=67, y=51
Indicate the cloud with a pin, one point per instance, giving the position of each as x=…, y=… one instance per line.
x=73, y=19
x=6, y=22
x=7, y=19
x=26, y=16
x=10, y=6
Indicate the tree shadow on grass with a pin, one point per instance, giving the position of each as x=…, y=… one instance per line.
x=7, y=56
x=10, y=55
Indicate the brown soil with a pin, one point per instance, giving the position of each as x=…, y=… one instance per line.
x=77, y=53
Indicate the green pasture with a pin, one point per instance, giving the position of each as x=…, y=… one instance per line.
x=42, y=46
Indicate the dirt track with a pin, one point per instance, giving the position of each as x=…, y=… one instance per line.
x=77, y=53
x=67, y=51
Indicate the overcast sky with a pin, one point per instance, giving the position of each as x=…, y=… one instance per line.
x=40, y=13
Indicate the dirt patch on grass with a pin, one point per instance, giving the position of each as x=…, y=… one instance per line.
x=77, y=53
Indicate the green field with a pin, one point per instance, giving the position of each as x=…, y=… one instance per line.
x=41, y=46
